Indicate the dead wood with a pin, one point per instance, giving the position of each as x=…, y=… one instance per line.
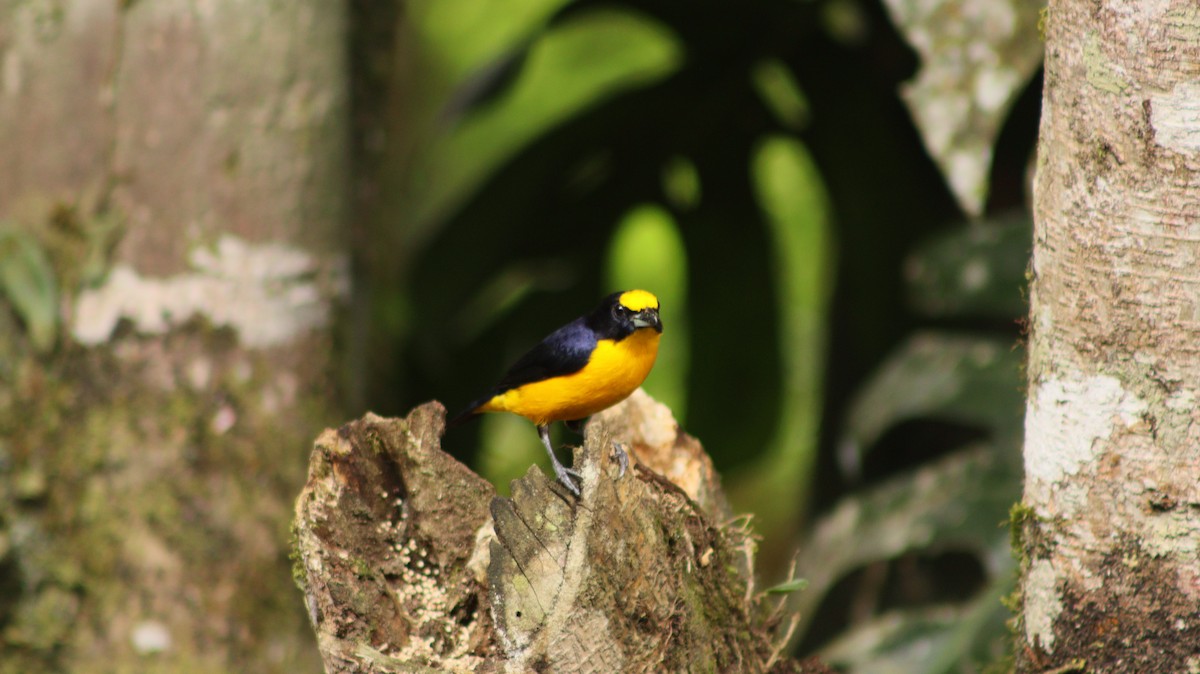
x=410, y=563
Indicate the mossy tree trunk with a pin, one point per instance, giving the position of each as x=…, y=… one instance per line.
x=1111, y=532
x=170, y=204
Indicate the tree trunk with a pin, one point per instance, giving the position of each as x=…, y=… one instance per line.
x=1111, y=532
x=172, y=182
x=410, y=563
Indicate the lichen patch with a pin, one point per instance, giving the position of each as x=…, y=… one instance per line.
x=1068, y=416
x=269, y=294
x=1175, y=116
x=1042, y=604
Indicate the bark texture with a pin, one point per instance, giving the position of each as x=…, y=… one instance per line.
x=409, y=562
x=177, y=165
x=1111, y=533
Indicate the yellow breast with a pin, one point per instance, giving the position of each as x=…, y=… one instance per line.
x=614, y=371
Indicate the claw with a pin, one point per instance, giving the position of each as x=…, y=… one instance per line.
x=565, y=475
x=622, y=458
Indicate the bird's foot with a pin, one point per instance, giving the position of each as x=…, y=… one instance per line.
x=622, y=458
x=567, y=477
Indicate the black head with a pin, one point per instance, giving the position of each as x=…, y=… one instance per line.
x=621, y=314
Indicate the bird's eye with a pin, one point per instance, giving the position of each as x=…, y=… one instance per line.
x=620, y=311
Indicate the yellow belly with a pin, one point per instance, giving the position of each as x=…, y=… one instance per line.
x=614, y=371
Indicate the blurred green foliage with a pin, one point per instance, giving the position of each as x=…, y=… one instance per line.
x=559, y=75
x=834, y=334
x=27, y=281
x=647, y=252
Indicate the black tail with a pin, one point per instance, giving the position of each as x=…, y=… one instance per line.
x=466, y=415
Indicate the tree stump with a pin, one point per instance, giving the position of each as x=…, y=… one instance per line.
x=409, y=562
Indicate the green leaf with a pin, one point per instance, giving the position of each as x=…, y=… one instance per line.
x=646, y=251
x=792, y=196
x=936, y=640
x=970, y=74
x=977, y=270
x=27, y=280
x=461, y=35
x=794, y=585
x=956, y=503
x=681, y=183
x=780, y=93
x=571, y=65
x=935, y=375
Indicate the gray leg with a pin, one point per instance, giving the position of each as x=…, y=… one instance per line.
x=561, y=471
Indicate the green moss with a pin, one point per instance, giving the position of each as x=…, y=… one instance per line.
x=299, y=573
x=45, y=622
x=361, y=568
x=1022, y=519
x=121, y=465
x=1019, y=517
x=375, y=443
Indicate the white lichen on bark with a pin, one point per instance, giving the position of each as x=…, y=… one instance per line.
x=1072, y=418
x=267, y=293
x=1176, y=117
x=1042, y=605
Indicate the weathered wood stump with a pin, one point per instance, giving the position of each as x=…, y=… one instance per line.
x=410, y=563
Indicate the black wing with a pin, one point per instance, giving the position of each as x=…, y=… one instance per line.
x=563, y=352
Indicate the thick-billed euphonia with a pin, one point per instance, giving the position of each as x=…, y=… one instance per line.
x=582, y=368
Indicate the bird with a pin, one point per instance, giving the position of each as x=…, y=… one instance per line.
x=584, y=367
